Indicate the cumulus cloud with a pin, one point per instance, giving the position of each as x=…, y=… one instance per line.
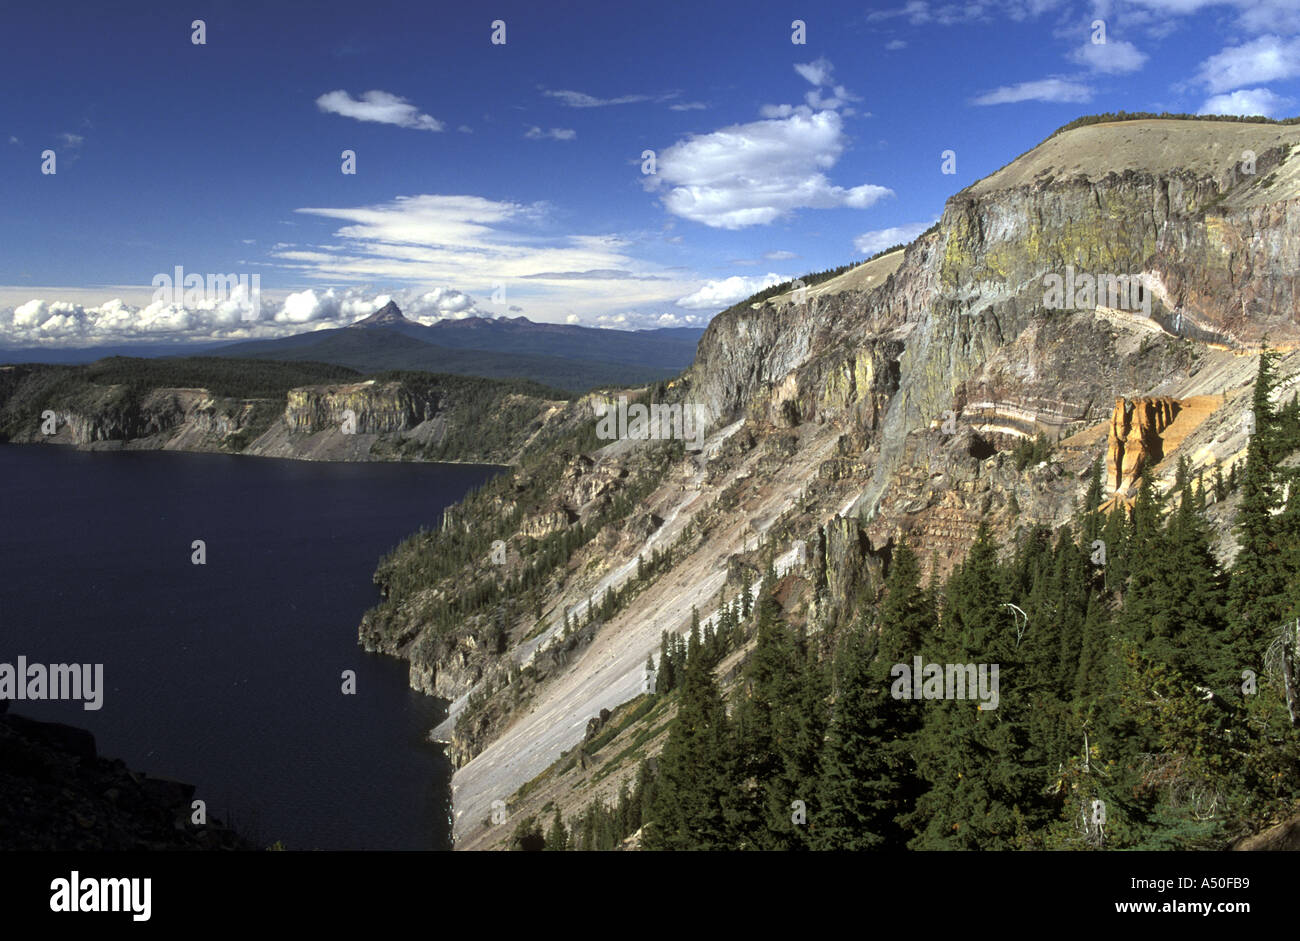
x=380, y=107
x=1247, y=101
x=1113, y=57
x=868, y=243
x=728, y=291
x=40, y=322
x=753, y=174
x=556, y=133
x=1047, y=89
x=647, y=320
x=1265, y=59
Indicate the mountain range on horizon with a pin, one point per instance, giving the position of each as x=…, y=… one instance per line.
x=563, y=356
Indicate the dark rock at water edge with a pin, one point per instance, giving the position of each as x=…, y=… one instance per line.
x=57, y=793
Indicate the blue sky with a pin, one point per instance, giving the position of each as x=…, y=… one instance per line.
x=515, y=169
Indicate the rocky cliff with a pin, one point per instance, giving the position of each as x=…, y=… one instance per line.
x=886, y=406
x=1135, y=441
x=411, y=416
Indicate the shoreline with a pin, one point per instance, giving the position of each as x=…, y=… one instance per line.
x=116, y=446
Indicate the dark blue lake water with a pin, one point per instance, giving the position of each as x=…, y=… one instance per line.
x=229, y=675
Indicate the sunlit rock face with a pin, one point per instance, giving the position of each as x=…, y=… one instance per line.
x=1135, y=439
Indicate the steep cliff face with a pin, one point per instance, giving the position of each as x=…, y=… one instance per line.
x=168, y=418
x=866, y=416
x=418, y=418
x=375, y=408
x=964, y=324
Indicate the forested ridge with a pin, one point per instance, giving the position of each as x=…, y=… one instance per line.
x=1143, y=703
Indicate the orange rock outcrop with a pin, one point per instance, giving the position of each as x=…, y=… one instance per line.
x=1135, y=439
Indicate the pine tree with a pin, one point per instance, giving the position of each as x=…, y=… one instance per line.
x=868, y=778
x=686, y=812
x=1092, y=519
x=1259, y=584
x=557, y=839
x=666, y=679
x=768, y=689
x=981, y=783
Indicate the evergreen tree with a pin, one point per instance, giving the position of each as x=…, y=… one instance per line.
x=770, y=686
x=686, y=812
x=1259, y=584
x=868, y=778
x=982, y=772
x=557, y=839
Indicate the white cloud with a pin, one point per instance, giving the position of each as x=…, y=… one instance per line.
x=1254, y=16
x=421, y=245
x=72, y=140
x=1262, y=60
x=753, y=174
x=1047, y=89
x=476, y=244
x=920, y=12
x=779, y=256
x=556, y=133
x=868, y=243
x=1156, y=16
x=1113, y=57
x=728, y=291
x=39, y=322
x=818, y=73
x=646, y=320
x=1270, y=16
x=688, y=106
x=578, y=99
x=465, y=129
x=380, y=107
x=1247, y=101
x=895, y=44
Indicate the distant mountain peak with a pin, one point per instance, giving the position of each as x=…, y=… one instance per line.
x=390, y=315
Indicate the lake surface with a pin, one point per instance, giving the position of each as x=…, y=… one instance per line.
x=228, y=675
